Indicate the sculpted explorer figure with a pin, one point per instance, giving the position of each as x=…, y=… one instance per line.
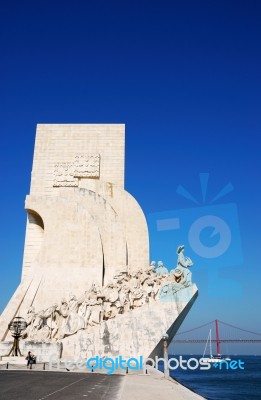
x=30, y=317
x=183, y=264
x=94, y=310
x=174, y=283
x=137, y=294
x=74, y=321
x=161, y=270
x=111, y=301
x=148, y=280
x=51, y=316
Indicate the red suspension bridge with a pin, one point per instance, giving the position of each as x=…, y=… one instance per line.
x=224, y=333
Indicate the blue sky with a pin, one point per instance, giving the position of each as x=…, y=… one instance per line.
x=184, y=76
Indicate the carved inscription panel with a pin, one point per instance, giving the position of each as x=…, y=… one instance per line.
x=83, y=166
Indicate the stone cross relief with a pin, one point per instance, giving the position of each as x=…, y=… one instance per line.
x=83, y=166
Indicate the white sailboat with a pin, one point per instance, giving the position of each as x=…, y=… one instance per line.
x=212, y=359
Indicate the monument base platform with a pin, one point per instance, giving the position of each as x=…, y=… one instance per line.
x=135, y=333
x=41, y=350
x=14, y=360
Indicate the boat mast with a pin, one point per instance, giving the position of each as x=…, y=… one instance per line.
x=208, y=339
x=210, y=345
x=217, y=338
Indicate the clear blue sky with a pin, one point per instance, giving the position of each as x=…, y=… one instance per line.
x=184, y=76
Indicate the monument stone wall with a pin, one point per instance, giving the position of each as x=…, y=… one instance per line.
x=87, y=286
x=82, y=225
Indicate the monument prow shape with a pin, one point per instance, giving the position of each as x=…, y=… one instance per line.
x=85, y=277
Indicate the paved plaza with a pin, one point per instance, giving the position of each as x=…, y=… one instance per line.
x=34, y=385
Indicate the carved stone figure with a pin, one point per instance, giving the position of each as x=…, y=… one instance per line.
x=120, y=279
x=153, y=265
x=182, y=259
x=174, y=283
x=83, y=311
x=74, y=321
x=64, y=308
x=183, y=264
x=94, y=310
x=161, y=270
x=134, y=281
x=125, y=298
x=111, y=301
x=38, y=323
x=51, y=317
x=137, y=294
x=148, y=281
x=30, y=317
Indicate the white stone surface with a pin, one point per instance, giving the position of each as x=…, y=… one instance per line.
x=83, y=228
x=154, y=386
x=77, y=234
x=135, y=333
x=41, y=350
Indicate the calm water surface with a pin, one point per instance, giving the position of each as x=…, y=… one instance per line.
x=216, y=384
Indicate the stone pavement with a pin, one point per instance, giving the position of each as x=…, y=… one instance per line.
x=36, y=384
x=155, y=387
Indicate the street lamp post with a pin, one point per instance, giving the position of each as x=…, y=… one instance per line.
x=165, y=354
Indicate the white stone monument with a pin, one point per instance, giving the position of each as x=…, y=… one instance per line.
x=86, y=280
